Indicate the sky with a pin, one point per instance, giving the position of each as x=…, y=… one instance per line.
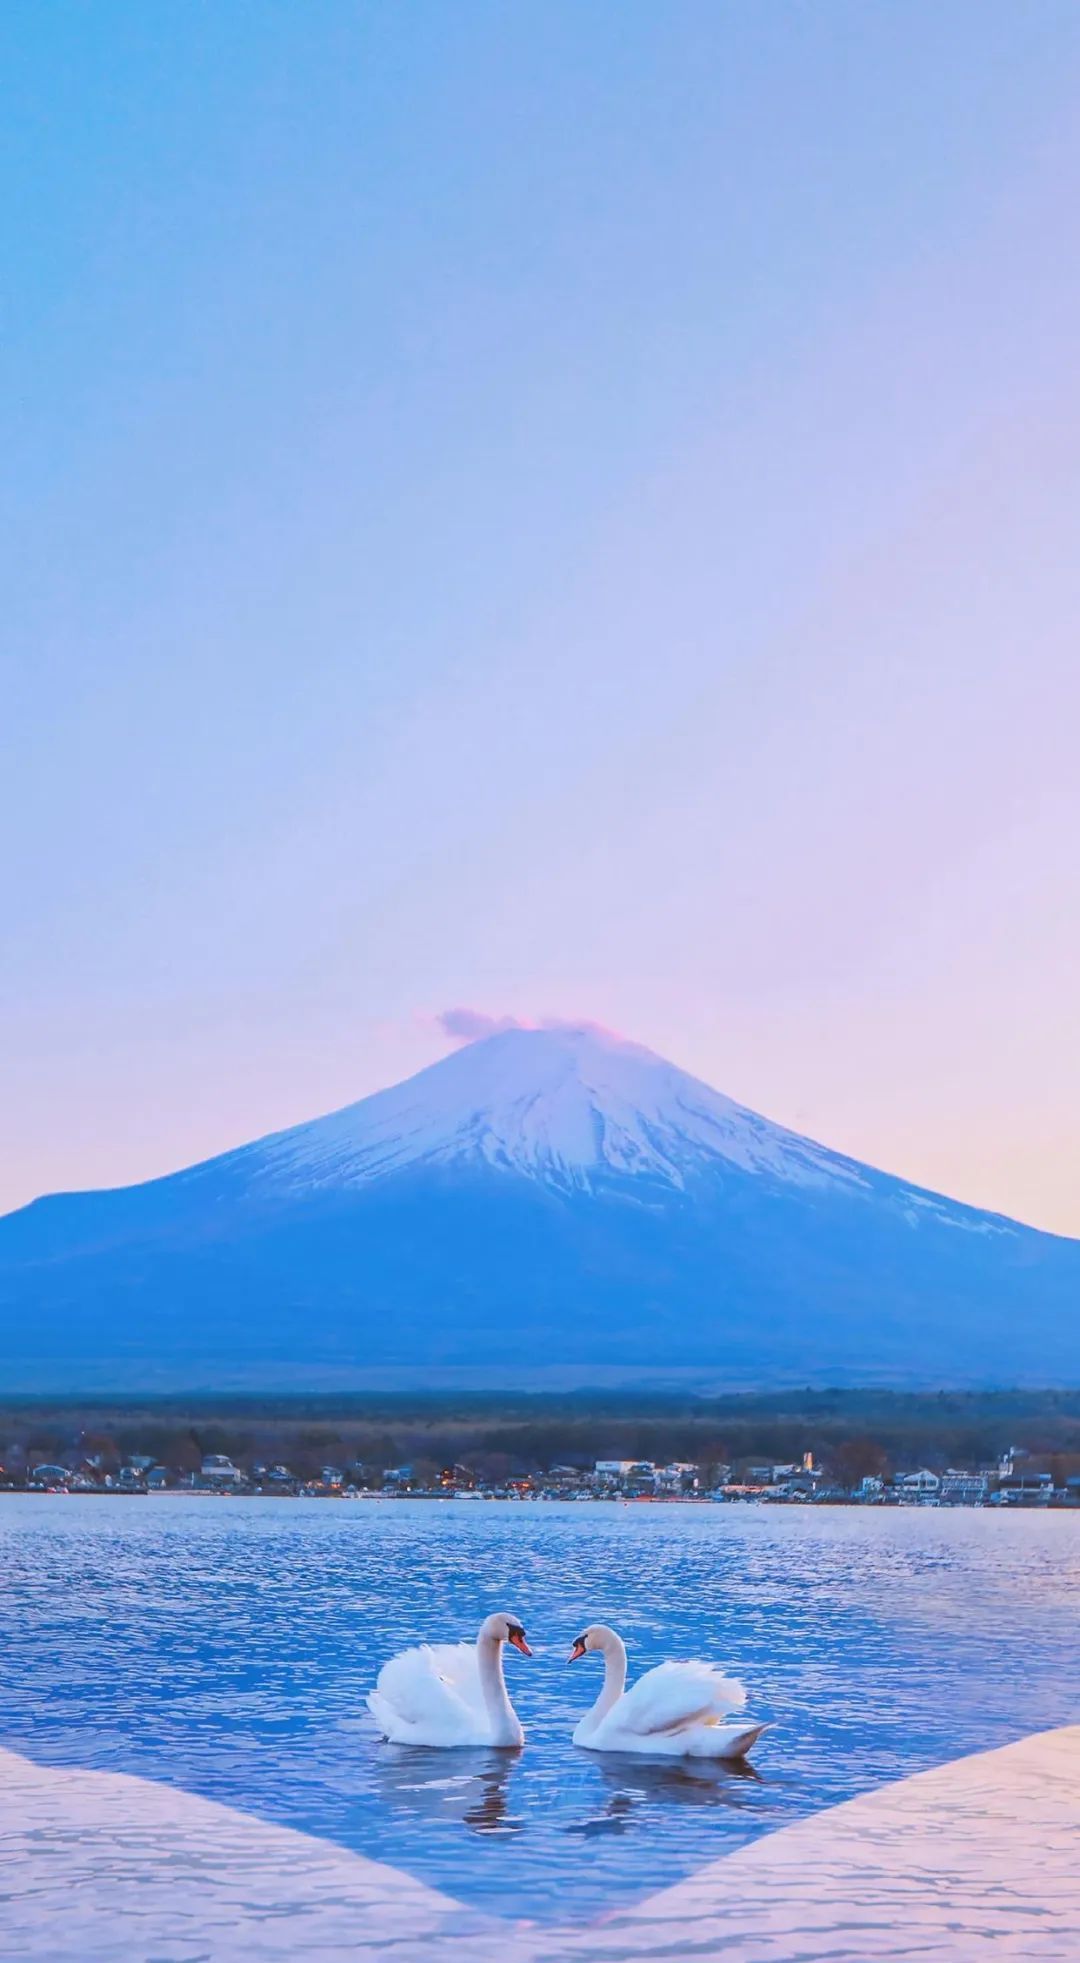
x=549, y=512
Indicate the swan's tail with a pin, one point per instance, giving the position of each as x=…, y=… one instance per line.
x=383, y=1713
x=741, y=1742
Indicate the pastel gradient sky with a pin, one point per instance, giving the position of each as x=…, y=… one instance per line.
x=563, y=511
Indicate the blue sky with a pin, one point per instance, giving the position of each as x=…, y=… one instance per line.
x=565, y=510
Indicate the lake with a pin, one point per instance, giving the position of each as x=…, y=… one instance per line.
x=225, y=1647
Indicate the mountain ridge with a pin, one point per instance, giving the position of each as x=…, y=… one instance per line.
x=740, y=1134
x=536, y=1198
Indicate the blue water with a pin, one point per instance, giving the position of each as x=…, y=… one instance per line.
x=225, y=1646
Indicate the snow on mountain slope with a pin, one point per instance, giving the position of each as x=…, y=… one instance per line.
x=572, y=1108
x=569, y=1107
x=552, y=1198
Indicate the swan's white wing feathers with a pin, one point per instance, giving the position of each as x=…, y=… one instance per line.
x=457, y=1665
x=431, y=1689
x=674, y=1695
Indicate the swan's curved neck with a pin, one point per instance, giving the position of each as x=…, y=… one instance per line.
x=614, y=1654
x=505, y=1727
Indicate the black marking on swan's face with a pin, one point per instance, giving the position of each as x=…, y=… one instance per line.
x=515, y=1634
x=580, y=1648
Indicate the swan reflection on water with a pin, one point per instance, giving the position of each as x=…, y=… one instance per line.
x=700, y=1782
x=472, y=1788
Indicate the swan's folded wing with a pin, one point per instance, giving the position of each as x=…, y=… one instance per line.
x=430, y=1688
x=674, y=1695
x=456, y=1664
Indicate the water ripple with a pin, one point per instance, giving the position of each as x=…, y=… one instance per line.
x=225, y=1648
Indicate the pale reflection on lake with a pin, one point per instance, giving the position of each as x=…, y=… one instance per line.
x=225, y=1646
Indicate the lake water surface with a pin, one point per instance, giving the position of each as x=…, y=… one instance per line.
x=225, y=1646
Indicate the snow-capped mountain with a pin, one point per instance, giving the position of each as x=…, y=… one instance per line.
x=552, y=1198
x=571, y=1108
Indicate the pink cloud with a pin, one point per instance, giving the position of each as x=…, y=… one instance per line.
x=472, y=1025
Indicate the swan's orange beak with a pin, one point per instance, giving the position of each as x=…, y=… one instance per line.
x=517, y=1637
x=578, y=1650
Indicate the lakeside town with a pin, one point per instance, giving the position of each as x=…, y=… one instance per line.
x=1016, y=1478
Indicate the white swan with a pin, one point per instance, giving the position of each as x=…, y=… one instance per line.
x=675, y=1710
x=451, y=1693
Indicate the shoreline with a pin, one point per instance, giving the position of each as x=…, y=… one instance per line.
x=828, y=1502
x=975, y=1858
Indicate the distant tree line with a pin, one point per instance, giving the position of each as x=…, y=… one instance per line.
x=851, y=1432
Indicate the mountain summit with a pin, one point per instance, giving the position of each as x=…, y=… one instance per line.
x=573, y=1108
x=541, y=1200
